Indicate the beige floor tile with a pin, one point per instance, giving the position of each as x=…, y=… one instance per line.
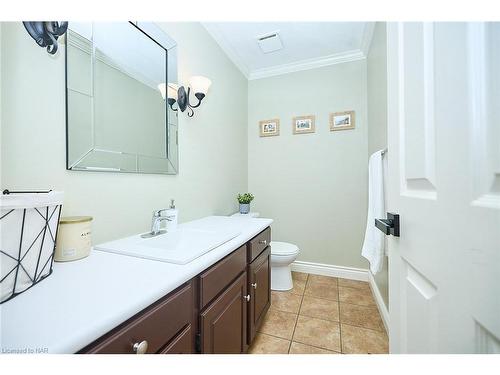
x=299, y=276
x=320, y=308
x=265, y=344
x=320, y=289
x=354, y=284
x=279, y=323
x=319, y=279
x=356, y=296
x=285, y=301
x=298, y=348
x=298, y=287
x=299, y=282
x=362, y=316
x=356, y=340
x=317, y=332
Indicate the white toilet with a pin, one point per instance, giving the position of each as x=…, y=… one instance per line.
x=282, y=256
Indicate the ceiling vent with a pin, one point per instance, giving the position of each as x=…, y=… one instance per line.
x=270, y=42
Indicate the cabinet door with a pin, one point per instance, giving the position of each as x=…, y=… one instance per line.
x=223, y=324
x=259, y=286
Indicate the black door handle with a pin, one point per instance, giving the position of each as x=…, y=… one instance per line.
x=389, y=225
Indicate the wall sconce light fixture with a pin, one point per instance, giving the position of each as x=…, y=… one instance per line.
x=45, y=33
x=175, y=94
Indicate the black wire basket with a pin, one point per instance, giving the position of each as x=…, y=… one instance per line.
x=28, y=229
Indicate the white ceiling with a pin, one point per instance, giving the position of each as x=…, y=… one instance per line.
x=306, y=45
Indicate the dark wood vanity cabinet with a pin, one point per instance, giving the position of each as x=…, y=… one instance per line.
x=223, y=324
x=259, y=280
x=231, y=321
x=219, y=311
x=164, y=327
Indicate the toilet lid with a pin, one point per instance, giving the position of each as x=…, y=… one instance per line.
x=283, y=248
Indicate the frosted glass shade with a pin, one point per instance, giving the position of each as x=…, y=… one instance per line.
x=162, y=87
x=199, y=84
x=171, y=90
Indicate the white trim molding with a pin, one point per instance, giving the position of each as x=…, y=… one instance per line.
x=331, y=270
x=366, y=41
x=337, y=58
x=382, y=308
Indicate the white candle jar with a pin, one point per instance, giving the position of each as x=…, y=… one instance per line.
x=74, y=238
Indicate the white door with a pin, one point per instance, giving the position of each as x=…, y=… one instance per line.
x=444, y=167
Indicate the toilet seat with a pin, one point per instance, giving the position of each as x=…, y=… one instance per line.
x=283, y=248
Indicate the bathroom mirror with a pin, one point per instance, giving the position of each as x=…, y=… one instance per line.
x=117, y=118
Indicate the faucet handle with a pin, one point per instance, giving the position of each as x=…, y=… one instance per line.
x=157, y=213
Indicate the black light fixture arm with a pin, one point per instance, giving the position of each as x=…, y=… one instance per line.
x=198, y=84
x=171, y=102
x=198, y=96
x=184, y=102
x=45, y=33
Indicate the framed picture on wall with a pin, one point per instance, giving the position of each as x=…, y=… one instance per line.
x=342, y=120
x=269, y=128
x=303, y=124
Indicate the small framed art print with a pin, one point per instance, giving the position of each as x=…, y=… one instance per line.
x=342, y=120
x=269, y=128
x=303, y=124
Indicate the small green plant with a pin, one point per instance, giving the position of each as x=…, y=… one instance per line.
x=245, y=198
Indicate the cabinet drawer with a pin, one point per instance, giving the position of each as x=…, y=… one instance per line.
x=181, y=344
x=219, y=276
x=257, y=244
x=157, y=325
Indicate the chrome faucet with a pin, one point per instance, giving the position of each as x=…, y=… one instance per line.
x=155, y=224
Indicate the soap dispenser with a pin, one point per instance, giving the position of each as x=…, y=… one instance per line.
x=172, y=214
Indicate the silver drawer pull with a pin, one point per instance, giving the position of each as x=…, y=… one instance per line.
x=140, y=347
x=254, y=285
x=263, y=242
x=247, y=297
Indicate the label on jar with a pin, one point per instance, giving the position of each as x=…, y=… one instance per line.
x=69, y=252
x=86, y=238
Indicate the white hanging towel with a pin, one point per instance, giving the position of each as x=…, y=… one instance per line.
x=373, y=247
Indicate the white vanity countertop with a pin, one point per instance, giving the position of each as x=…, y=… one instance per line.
x=84, y=299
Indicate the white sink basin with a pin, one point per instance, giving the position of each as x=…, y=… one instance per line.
x=180, y=246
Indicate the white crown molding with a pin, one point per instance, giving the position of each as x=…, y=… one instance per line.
x=219, y=38
x=366, y=40
x=307, y=64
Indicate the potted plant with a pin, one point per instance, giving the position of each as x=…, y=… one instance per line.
x=244, y=201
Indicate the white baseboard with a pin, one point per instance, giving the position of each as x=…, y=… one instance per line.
x=346, y=273
x=331, y=270
x=382, y=308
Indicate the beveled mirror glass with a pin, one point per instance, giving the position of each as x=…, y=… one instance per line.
x=117, y=118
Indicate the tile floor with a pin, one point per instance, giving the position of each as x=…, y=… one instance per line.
x=322, y=315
